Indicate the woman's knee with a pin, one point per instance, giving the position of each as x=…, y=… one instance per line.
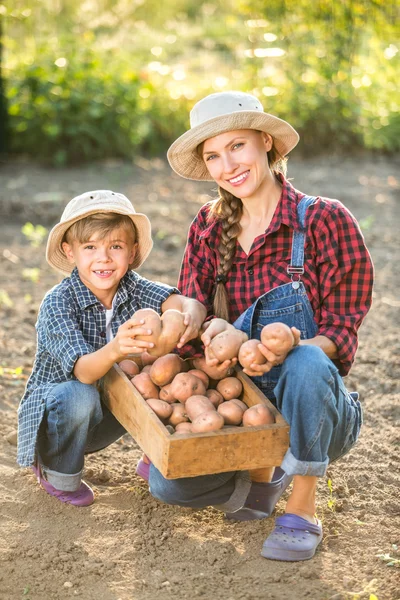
x=306, y=364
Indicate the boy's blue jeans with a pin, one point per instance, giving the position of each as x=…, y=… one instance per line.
x=75, y=423
x=324, y=421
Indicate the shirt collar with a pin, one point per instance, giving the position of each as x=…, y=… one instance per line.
x=86, y=298
x=285, y=213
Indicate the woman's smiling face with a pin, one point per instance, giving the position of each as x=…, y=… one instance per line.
x=238, y=162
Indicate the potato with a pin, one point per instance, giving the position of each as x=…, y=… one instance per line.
x=146, y=369
x=164, y=369
x=212, y=372
x=183, y=428
x=166, y=330
x=145, y=386
x=257, y=415
x=151, y=321
x=201, y=375
x=231, y=412
x=185, y=385
x=230, y=388
x=242, y=405
x=278, y=338
x=249, y=354
x=178, y=414
x=172, y=329
x=208, y=421
x=198, y=404
x=215, y=397
x=166, y=395
x=129, y=367
x=226, y=345
x=162, y=409
x=147, y=359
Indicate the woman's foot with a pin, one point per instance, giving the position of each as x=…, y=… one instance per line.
x=83, y=496
x=293, y=539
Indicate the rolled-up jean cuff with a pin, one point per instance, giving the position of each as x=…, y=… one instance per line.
x=292, y=466
x=62, y=481
x=239, y=494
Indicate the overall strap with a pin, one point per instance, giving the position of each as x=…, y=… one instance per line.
x=296, y=266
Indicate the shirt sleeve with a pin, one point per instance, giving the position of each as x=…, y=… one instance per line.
x=345, y=276
x=61, y=335
x=152, y=294
x=198, y=269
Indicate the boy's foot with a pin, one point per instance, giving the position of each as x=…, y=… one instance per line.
x=293, y=539
x=143, y=469
x=83, y=496
x=262, y=498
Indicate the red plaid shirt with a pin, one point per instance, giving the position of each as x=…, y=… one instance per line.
x=338, y=271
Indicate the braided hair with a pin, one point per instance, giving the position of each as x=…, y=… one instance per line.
x=228, y=209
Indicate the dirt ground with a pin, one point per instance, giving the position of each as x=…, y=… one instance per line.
x=127, y=545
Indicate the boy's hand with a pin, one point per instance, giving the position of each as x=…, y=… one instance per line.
x=126, y=342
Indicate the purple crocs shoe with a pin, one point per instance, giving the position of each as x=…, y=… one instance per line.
x=293, y=539
x=143, y=469
x=83, y=496
x=262, y=498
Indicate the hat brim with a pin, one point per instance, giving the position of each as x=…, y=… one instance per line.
x=183, y=156
x=55, y=255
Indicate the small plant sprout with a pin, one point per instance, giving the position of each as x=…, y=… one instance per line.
x=35, y=234
x=391, y=561
x=331, y=499
x=5, y=299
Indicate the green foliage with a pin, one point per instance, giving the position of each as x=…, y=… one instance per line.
x=91, y=80
x=35, y=234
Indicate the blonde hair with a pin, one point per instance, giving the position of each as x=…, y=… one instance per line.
x=99, y=223
x=228, y=209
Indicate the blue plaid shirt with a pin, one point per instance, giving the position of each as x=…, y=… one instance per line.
x=72, y=323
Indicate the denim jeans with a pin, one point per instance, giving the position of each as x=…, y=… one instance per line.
x=75, y=423
x=324, y=419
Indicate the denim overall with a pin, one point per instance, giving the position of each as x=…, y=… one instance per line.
x=286, y=303
x=324, y=418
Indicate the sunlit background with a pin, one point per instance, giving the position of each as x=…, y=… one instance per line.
x=100, y=78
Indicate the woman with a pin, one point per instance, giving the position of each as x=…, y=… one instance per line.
x=265, y=252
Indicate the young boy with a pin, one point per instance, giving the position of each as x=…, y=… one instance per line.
x=84, y=327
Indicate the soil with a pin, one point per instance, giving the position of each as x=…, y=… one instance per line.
x=127, y=545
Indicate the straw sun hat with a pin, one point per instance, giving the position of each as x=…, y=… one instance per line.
x=219, y=113
x=90, y=203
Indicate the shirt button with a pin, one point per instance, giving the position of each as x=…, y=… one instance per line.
x=250, y=271
x=100, y=309
x=102, y=334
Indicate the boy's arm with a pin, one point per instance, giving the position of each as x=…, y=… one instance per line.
x=195, y=314
x=89, y=368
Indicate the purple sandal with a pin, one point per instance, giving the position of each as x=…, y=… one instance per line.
x=143, y=469
x=262, y=498
x=83, y=496
x=293, y=539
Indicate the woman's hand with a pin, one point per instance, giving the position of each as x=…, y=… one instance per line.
x=211, y=329
x=126, y=342
x=273, y=359
x=192, y=329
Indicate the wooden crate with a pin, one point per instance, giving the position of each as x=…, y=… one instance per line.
x=189, y=455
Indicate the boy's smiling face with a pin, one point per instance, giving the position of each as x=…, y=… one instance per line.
x=102, y=263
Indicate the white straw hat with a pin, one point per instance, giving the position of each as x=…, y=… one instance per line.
x=218, y=113
x=90, y=203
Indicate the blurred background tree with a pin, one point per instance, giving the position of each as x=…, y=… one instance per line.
x=100, y=78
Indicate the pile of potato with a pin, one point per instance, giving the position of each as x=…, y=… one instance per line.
x=191, y=396
x=189, y=399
